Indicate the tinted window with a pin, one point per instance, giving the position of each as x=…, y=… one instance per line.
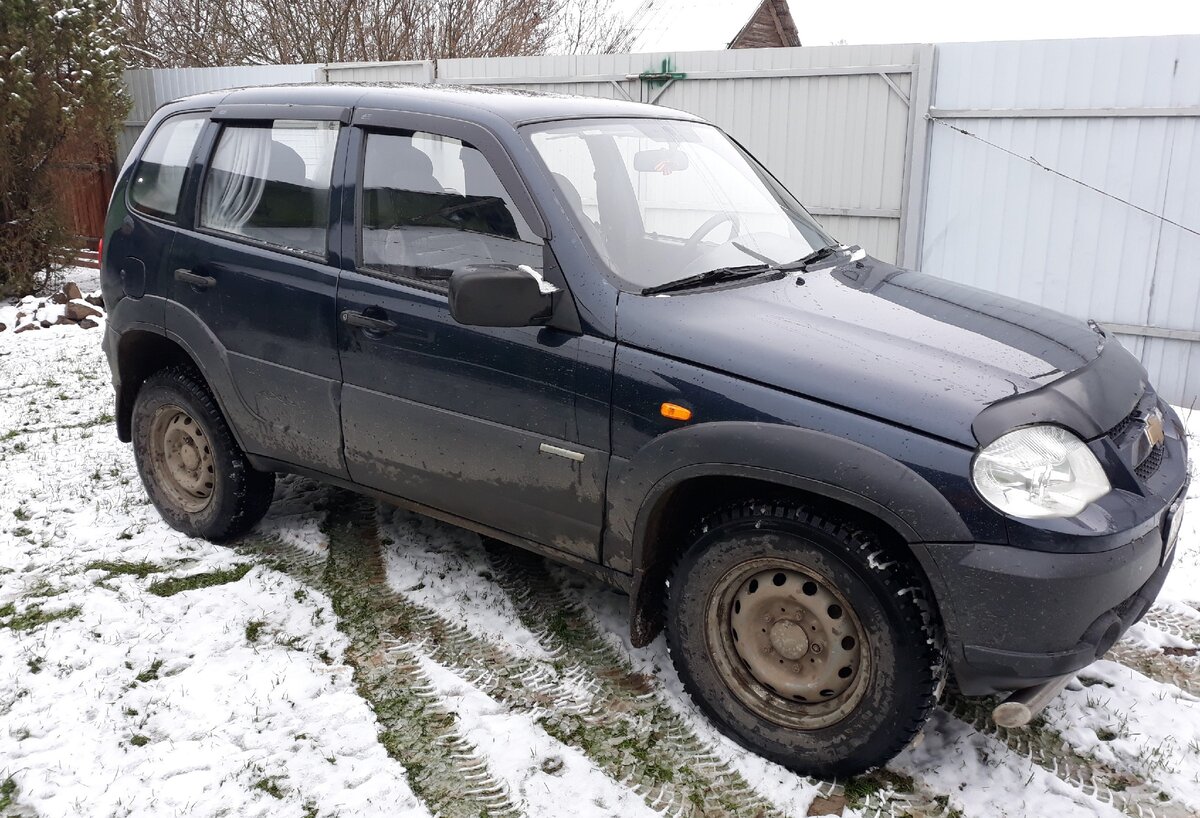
x=159, y=174
x=431, y=204
x=271, y=184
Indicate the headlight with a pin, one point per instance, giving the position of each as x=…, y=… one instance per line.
x=1039, y=471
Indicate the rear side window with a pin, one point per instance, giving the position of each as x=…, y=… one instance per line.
x=432, y=204
x=159, y=174
x=271, y=184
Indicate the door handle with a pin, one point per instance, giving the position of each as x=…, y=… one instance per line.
x=358, y=319
x=198, y=281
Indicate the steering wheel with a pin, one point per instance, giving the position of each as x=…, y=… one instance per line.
x=692, y=245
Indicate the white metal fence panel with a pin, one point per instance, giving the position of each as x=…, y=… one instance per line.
x=1080, y=162
x=151, y=87
x=833, y=123
x=409, y=71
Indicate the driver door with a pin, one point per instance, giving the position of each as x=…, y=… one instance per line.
x=479, y=422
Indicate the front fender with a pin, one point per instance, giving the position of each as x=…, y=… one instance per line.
x=815, y=462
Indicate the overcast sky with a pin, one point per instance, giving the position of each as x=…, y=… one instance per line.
x=705, y=24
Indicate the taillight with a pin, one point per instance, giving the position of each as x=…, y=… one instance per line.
x=100, y=250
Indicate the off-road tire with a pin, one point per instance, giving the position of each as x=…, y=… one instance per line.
x=879, y=583
x=239, y=495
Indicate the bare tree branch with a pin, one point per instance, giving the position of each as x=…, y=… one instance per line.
x=176, y=33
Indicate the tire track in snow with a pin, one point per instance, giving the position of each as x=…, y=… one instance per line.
x=443, y=769
x=1181, y=671
x=630, y=735
x=1176, y=618
x=1050, y=751
x=567, y=629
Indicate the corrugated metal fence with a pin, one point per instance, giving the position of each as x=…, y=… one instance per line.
x=1076, y=183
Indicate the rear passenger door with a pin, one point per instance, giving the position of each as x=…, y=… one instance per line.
x=479, y=422
x=255, y=280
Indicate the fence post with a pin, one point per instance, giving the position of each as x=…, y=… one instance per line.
x=916, y=164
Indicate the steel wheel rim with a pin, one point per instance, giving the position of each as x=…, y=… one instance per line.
x=787, y=644
x=181, y=457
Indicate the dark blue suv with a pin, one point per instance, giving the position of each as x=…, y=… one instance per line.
x=603, y=332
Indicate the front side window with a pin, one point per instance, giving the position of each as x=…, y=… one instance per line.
x=431, y=205
x=663, y=199
x=158, y=177
x=271, y=184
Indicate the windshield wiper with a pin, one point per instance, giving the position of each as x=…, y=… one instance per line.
x=718, y=275
x=722, y=274
x=820, y=254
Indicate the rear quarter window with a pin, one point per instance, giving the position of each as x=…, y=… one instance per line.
x=158, y=177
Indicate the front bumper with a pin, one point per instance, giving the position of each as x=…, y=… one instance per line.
x=1016, y=617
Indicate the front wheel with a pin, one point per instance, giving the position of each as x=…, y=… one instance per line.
x=806, y=640
x=196, y=475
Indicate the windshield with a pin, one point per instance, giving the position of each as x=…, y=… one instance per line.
x=663, y=199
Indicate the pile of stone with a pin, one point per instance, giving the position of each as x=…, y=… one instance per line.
x=68, y=306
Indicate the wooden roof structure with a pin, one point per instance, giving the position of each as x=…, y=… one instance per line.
x=771, y=26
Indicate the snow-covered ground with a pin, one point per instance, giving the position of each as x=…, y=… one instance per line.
x=356, y=660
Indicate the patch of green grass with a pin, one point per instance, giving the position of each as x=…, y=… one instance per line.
x=22, y=531
x=269, y=785
x=35, y=664
x=33, y=616
x=8, y=789
x=861, y=787
x=43, y=589
x=20, y=447
x=22, y=514
x=125, y=535
x=139, y=741
x=1104, y=734
x=141, y=570
x=254, y=630
x=176, y=585
x=150, y=673
x=10, y=434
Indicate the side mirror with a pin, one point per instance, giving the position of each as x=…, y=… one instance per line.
x=500, y=295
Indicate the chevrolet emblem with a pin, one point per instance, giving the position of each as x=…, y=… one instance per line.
x=1154, y=429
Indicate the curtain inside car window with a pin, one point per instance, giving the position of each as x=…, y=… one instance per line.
x=237, y=178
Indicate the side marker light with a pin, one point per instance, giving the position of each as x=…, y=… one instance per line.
x=675, y=412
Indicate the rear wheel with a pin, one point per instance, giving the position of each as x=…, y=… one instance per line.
x=807, y=640
x=196, y=475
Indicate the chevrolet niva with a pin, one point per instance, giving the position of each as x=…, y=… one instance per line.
x=603, y=332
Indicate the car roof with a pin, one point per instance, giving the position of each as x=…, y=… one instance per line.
x=516, y=107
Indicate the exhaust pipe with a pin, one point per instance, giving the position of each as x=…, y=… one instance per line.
x=1022, y=705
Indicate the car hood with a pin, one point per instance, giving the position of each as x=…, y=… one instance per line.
x=909, y=348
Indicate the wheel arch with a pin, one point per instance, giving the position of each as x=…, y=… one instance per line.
x=143, y=350
x=660, y=492
x=140, y=353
